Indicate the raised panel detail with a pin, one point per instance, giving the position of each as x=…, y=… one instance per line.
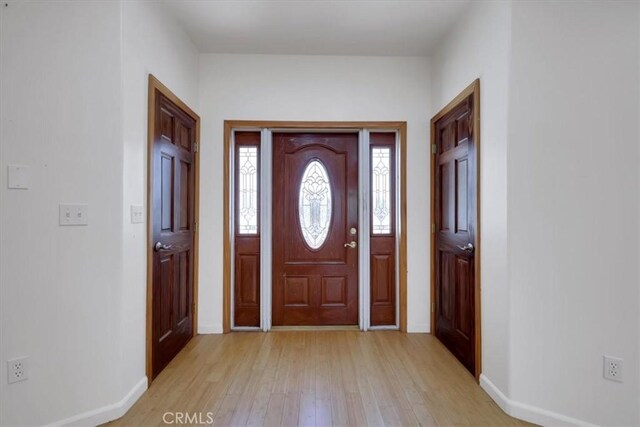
x=183, y=286
x=464, y=300
x=248, y=279
x=462, y=124
x=382, y=279
x=447, y=294
x=166, y=192
x=445, y=195
x=462, y=173
x=184, y=195
x=166, y=287
x=296, y=291
x=182, y=136
x=334, y=291
x=166, y=124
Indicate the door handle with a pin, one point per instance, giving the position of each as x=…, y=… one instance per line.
x=351, y=245
x=160, y=247
x=468, y=247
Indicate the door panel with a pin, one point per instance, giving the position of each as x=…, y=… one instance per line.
x=315, y=204
x=455, y=228
x=172, y=227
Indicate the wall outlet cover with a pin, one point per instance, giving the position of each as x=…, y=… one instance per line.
x=613, y=368
x=73, y=214
x=17, y=369
x=137, y=214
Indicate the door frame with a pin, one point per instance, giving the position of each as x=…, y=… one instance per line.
x=266, y=128
x=472, y=90
x=155, y=86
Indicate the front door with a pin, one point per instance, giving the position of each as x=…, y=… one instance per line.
x=172, y=219
x=315, y=229
x=455, y=230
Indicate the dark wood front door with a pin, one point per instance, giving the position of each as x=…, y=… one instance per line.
x=315, y=213
x=173, y=195
x=455, y=230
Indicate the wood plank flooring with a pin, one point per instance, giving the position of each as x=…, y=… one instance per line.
x=316, y=378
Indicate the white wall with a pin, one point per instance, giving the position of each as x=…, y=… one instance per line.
x=152, y=43
x=264, y=87
x=478, y=47
x=74, y=108
x=573, y=207
x=60, y=286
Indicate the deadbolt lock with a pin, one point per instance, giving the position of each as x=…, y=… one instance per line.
x=353, y=231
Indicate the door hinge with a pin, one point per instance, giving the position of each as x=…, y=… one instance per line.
x=195, y=227
x=433, y=307
x=195, y=147
x=433, y=228
x=193, y=307
x=433, y=149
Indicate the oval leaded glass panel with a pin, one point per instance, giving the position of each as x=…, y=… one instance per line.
x=314, y=204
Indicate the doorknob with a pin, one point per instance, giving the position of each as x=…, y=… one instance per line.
x=468, y=247
x=160, y=247
x=351, y=245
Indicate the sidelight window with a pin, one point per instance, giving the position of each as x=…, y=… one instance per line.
x=381, y=202
x=247, y=190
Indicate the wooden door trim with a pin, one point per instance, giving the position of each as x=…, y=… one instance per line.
x=155, y=86
x=472, y=90
x=230, y=125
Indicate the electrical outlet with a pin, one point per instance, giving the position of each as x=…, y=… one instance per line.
x=613, y=368
x=17, y=369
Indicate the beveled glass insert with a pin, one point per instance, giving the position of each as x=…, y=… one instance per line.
x=248, y=190
x=381, y=190
x=314, y=204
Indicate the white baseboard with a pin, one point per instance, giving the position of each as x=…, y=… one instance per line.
x=418, y=327
x=212, y=328
x=526, y=412
x=106, y=413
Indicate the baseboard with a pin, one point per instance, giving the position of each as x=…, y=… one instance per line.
x=212, y=328
x=106, y=413
x=418, y=327
x=526, y=412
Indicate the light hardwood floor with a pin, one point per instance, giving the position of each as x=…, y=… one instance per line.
x=319, y=378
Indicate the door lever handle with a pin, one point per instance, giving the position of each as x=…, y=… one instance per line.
x=351, y=244
x=468, y=247
x=160, y=247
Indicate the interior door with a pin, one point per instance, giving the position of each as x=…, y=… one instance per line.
x=455, y=230
x=315, y=229
x=173, y=231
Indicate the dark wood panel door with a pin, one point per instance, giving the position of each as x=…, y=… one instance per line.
x=455, y=229
x=172, y=219
x=315, y=208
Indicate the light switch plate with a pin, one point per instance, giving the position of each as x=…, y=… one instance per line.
x=137, y=214
x=74, y=214
x=18, y=177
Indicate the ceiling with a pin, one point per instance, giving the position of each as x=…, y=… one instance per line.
x=316, y=27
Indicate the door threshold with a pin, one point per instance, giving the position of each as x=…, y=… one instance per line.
x=316, y=328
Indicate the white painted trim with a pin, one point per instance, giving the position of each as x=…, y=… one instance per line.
x=417, y=328
x=212, y=328
x=106, y=413
x=266, y=211
x=232, y=224
x=364, y=236
x=526, y=412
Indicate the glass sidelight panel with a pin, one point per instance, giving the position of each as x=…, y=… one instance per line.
x=381, y=203
x=248, y=190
